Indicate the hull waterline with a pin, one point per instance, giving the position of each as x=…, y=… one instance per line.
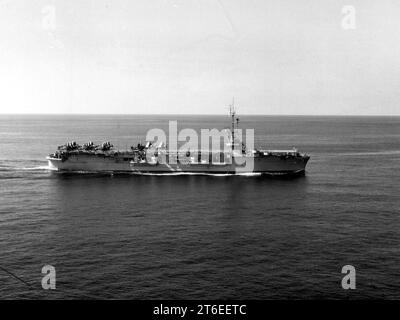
x=268, y=165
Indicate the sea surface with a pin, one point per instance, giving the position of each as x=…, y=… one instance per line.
x=202, y=236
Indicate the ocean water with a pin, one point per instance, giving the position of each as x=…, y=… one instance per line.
x=194, y=236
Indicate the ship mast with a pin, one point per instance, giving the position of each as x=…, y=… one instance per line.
x=232, y=113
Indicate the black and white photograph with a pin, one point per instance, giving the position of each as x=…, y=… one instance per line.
x=212, y=151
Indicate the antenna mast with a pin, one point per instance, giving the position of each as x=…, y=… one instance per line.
x=232, y=113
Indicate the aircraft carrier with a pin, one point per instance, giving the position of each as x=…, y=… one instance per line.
x=151, y=158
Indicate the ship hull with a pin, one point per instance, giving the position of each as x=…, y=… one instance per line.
x=88, y=163
x=267, y=164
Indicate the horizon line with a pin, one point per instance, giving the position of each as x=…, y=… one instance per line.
x=199, y=114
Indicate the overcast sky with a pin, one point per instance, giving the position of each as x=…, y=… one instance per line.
x=193, y=56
